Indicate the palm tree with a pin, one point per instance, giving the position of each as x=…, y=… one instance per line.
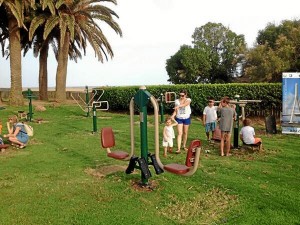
x=44, y=12
x=76, y=21
x=15, y=14
x=4, y=33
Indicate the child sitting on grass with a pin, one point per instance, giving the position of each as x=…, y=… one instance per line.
x=247, y=134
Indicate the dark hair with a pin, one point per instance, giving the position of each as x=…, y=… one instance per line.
x=209, y=99
x=183, y=91
x=226, y=99
x=246, y=122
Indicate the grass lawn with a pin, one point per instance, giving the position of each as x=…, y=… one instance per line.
x=64, y=177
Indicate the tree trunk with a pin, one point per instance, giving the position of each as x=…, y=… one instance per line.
x=15, y=97
x=61, y=72
x=43, y=73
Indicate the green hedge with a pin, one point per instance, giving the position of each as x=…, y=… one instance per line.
x=269, y=93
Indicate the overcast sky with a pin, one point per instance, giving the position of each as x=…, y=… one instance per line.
x=153, y=31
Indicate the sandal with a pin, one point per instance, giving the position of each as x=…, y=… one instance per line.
x=178, y=152
x=22, y=146
x=185, y=149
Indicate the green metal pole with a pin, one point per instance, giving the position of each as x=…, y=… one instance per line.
x=161, y=108
x=94, y=119
x=144, y=137
x=236, y=127
x=29, y=96
x=141, y=98
x=87, y=99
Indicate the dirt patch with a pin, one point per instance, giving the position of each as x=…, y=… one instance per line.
x=210, y=207
x=105, y=170
x=138, y=186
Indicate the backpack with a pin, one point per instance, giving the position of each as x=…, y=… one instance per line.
x=29, y=129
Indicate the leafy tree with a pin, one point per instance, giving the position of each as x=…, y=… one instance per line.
x=277, y=50
x=216, y=57
x=225, y=50
x=188, y=66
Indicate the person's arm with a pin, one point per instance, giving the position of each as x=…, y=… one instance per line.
x=9, y=128
x=186, y=103
x=175, y=123
x=13, y=134
x=241, y=137
x=234, y=115
x=175, y=109
x=165, y=134
x=204, y=119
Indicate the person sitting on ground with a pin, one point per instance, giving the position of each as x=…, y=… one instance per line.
x=17, y=134
x=247, y=134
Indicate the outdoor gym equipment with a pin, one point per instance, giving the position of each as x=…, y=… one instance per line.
x=108, y=142
x=168, y=97
x=30, y=96
x=191, y=162
x=86, y=100
x=95, y=106
x=239, y=113
x=141, y=99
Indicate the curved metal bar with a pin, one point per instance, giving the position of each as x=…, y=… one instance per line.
x=77, y=102
x=131, y=109
x=100, y=94
x=194, y=168
x=156, y=132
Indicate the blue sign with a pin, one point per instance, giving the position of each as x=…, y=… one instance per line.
x=290, y=121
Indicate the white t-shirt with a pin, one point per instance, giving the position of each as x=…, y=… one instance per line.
x=170, y=132
x=248, y=134
x=183, y=112
x=211, y=114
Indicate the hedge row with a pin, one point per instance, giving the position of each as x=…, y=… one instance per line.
x=269, y=93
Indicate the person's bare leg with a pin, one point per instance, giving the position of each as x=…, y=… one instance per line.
x=165, y=151
x=15, y=141
x=179, y=136
x=207, y=135
x=222, y=144
x=228, y=138
x=185, y=135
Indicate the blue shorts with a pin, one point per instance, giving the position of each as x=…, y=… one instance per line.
x=22, y=137
x=210, y=127
x=183, y=121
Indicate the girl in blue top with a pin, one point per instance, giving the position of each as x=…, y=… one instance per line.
x=16, y=132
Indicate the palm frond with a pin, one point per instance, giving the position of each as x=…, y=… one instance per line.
x=35, y=23
x=52, y=22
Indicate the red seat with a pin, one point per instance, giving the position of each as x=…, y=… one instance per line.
x=118, y=154
x=108, y=141
x=107, y=137
x=189, y=162
x=176, y=168
x=217, y=134
x=3, y=147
